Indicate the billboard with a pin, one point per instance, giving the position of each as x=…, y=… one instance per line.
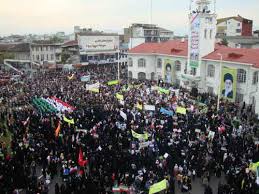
x=98, y=43
x=168, y=71
x=228, y=83
x=194, y=43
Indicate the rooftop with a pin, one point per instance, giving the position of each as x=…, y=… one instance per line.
x=14, y=47
x=237, y=18
x=180, y=48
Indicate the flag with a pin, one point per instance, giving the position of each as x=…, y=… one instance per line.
x=119, y=96
x=139, y=106
x=157, y=187
x=70, y=77
x=113, y=82
x=167, y=112
x=96, y=90
x=69, y=121
x=57, y=129
x=81, y=160
x=254, y=166
x=139, y=136
x=165, y=91
x=181, y=110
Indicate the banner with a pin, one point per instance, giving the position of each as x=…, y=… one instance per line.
x=144, y=144
x=85, y=78
x=253, y=166
x=69, y=121
x=149, y=107
x=228, y=83
x=123, y=115
x=157, y=187
x=113, y=82
x=168, y=71
x=139, y=136
x=93, y=87
x=194, y=40
x=164, y=91
x=181, y=110
x=119, y=96
x=166, y=112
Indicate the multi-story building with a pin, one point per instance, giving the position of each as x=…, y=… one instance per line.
x=234, y=26
x=46, y=52
x=198, y=63
x=98, y=47
x=139, y=33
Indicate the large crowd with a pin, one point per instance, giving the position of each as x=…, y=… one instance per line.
x=200, y=144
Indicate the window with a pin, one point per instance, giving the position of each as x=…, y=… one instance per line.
x=52, y=57
x=152, y=76
x=177, y=65
x=255, y=78
x=130, y=75
x=47, y=56
x=141, y=76
x=130, y=62
x=42, y=57
x=177, y=83
x=38, y=57
x=185, y=68
x=33, y=57
x=159, y=63
x=210, y=90
x=211, y=71
x=205, y=33
x=193, y=71
x=238, y=24
x=239, y=98
x=211, y=34
x=141, y=63
x=241, y=76
x=238, y=30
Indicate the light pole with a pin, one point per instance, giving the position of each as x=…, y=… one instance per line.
x=118, y=63
x=220, y=70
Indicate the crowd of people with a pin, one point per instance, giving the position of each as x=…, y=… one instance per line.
x=126, y=147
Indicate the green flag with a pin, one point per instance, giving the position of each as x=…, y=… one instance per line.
x=157, y=187
x=113, y=82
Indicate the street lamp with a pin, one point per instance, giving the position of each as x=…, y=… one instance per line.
x=220, y=70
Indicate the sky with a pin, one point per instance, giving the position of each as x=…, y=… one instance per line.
x=51, y=16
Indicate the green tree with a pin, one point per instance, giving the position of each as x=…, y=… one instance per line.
x=224, y=41
x=64, y=57
x=5, y=55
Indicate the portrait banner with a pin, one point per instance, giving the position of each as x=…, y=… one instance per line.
x=168, y=71
x=228, y=83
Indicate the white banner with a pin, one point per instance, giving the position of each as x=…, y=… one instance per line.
x=92, y=86
x=85, y=78
x=150, y=107
x=123, y=115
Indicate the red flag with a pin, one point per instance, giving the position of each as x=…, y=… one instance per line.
x=57, y=130
x=81, y=160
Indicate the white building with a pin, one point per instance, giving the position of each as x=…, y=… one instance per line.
x=149, y=60
x=46, y=52
x=234, y=26
x=137, y=34
x=98, y=48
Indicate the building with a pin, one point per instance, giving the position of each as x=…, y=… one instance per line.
x=70, y=52
x=98, y=48
x=46, y=52
x=234, y=26
x=241, y=41
x=198, y=63
x=140, y=33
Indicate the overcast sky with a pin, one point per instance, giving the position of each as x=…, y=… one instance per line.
x=50, y=16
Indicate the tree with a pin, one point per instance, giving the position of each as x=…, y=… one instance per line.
x=5, y=55
x=64, y=57
x=224, y=41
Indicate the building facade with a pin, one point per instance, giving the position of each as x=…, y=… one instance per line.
x=46, y=52
x=199, y=62
x=137, y=34
x=234, y=26
x=99, y=48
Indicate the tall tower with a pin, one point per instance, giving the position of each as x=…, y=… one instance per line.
x=202, y=32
